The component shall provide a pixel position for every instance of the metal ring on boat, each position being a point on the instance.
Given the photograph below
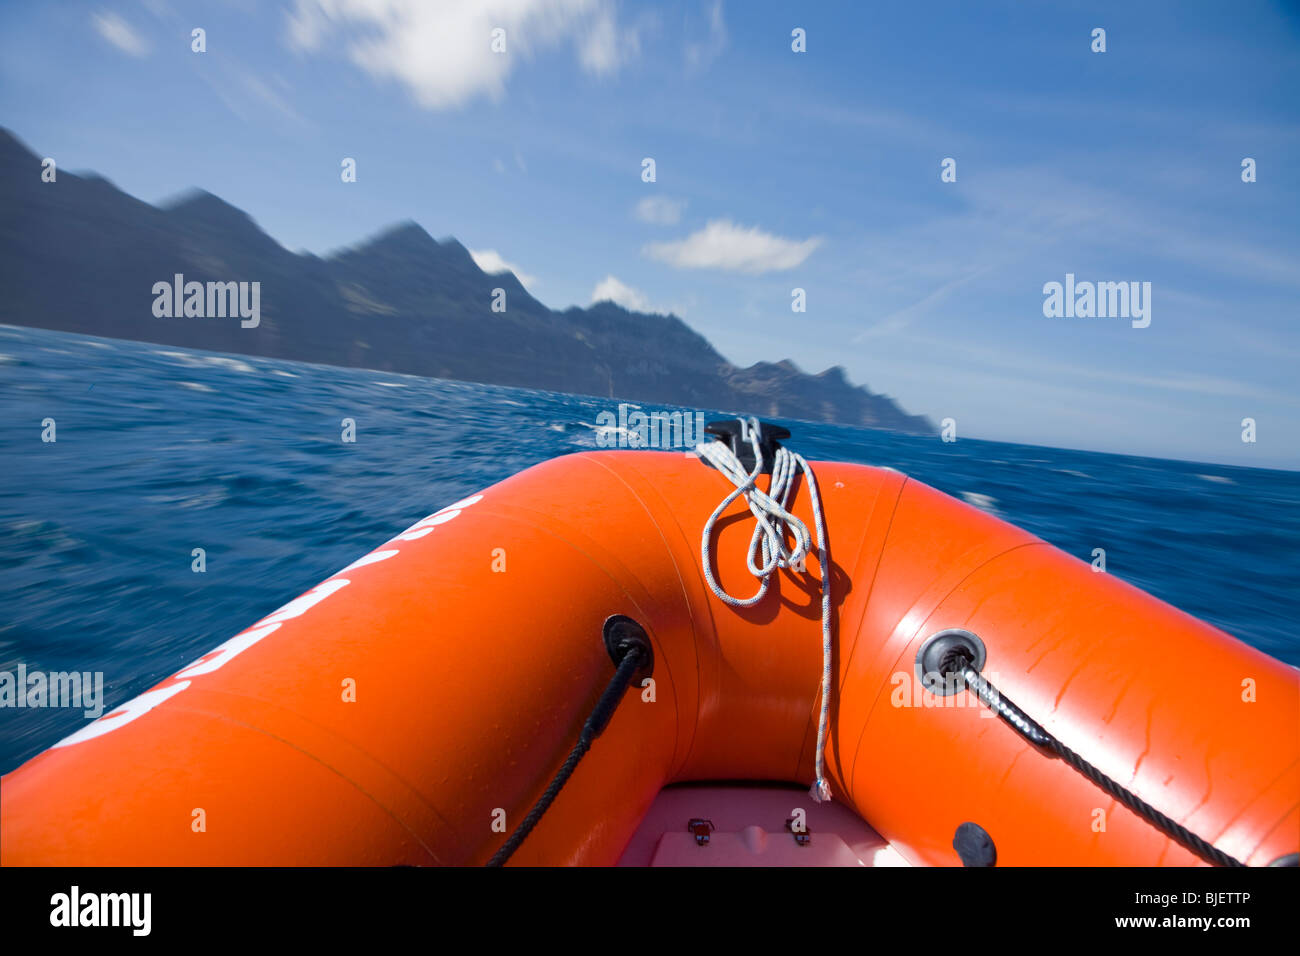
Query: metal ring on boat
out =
(930, 668)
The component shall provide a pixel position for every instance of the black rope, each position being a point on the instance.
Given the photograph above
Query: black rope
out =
(1024, 725)
(596, 723)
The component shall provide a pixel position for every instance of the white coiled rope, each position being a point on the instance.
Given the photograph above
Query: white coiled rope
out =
(767, 549)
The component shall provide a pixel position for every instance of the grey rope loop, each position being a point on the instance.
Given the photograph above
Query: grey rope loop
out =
(1025, 725)
(767, 548)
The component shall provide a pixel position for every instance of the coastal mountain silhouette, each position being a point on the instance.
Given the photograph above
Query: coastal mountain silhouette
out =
(80, 255)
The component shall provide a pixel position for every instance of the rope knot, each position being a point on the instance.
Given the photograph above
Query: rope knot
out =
(767, 548)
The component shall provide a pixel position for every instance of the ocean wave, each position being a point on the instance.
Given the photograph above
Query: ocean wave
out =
(200, 360)
(983, 502)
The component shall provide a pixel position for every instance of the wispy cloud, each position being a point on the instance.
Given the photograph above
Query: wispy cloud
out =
(606, 46)
(247, 95)
(442, 52)
(702, 50)
(722, 244)
(984, 360)
(871, 119)
(269, 96)
(900, 319)
(660, 210)
(1039, 204)
(120, 34)
(491, 262)
(610, 289)
(1019, 224)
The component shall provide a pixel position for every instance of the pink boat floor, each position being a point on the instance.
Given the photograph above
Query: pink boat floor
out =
(749, 823)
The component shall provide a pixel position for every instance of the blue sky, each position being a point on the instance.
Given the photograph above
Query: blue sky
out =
(774, 170)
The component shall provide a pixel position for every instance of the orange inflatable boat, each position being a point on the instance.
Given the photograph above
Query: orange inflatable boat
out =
(992, 699)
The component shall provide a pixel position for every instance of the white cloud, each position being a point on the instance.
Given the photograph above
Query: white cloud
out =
(700, 54)
(612, 290)
(120, 33)
(722, 244)
(442, 51)
(490, 261)
(605, 47)
(660, 210)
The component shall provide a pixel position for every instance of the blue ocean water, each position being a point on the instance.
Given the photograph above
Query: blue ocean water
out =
(161, 450)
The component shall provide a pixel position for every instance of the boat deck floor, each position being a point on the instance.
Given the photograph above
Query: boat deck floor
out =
(748, 828)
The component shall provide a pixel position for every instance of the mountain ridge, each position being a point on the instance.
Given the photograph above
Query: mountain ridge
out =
(81, 255)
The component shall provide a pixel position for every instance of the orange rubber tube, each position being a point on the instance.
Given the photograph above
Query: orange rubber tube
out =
(470, 648)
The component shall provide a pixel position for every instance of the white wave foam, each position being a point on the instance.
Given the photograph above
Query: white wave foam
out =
(213, 361)
(983, 502)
